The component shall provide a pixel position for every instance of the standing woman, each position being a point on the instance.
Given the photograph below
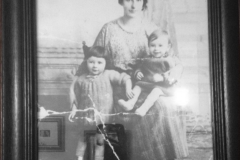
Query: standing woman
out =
(158, 135)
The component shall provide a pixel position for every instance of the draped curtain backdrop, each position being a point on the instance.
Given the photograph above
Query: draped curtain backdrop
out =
(160, 12)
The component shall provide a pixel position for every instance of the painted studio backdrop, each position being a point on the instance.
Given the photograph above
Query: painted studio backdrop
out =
(63, 26)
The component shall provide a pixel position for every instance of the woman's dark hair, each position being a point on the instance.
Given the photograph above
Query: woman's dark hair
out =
(98, 51)
(143, 7)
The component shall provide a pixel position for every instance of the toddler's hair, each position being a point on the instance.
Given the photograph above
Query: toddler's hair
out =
(156, 34)
(98, 51)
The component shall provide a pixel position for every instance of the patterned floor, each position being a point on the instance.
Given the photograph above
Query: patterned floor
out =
(200, 146)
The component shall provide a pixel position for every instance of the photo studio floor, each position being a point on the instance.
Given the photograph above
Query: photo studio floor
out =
(200, 146)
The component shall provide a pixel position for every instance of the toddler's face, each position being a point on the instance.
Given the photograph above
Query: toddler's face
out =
(96, 65)
(159, 46)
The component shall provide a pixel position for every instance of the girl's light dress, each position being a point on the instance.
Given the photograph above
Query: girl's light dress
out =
(95, 92)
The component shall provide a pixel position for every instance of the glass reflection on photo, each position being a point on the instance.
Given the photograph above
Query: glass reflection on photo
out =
(130, 78)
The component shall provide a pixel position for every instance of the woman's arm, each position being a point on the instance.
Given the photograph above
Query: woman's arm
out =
(128, 89)
(116, 77)
(176, 72)
(121, 79)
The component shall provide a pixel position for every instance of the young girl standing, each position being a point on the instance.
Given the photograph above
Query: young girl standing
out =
(94, 90)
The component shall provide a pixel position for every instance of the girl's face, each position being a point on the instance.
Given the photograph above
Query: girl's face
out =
(96, 65)
(159, 47)
(132, 8)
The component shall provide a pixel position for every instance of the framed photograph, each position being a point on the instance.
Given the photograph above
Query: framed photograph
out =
(52, 134)
(166, 71)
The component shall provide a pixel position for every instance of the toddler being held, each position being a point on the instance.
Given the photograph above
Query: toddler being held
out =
(157, 72)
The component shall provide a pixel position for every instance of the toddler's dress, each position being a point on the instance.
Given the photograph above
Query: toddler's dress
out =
(152, 68)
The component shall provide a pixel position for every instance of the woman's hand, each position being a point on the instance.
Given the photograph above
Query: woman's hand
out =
(139, 75)
(158, 78)
(128, 89)
(166, 75)
(171, 81)
(129, 93)
(168, 79)
(73, 113)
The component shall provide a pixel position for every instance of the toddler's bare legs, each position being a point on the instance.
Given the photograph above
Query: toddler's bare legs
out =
(80, 158)
(149, 101)
(129, 104)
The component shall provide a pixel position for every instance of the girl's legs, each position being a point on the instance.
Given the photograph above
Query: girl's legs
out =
(81, 147)
(129, 104)
(149, 101)
(99, 152)
(99, 148)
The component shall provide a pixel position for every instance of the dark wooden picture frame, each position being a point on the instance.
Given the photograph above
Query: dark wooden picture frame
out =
(19, 116)
(52, 134)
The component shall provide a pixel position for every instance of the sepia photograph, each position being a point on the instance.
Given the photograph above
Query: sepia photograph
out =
(130, 77)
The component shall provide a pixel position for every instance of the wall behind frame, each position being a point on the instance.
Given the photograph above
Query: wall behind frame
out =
(61, 32)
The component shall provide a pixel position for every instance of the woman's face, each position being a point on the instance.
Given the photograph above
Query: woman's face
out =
(96, 65)
(132, 8)
(159, 47)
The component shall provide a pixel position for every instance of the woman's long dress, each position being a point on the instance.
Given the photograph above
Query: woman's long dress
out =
(160, 135)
